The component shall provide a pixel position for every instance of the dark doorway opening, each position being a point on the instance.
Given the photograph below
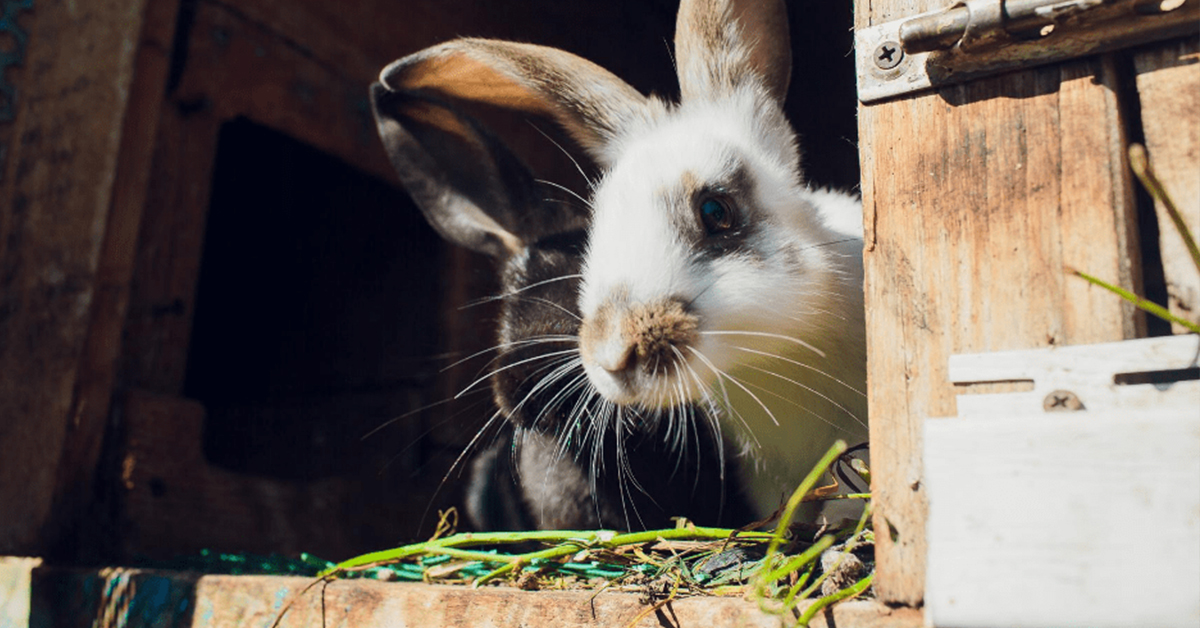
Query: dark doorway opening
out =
(317, 311)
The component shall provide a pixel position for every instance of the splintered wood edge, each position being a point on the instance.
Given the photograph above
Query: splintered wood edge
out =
(201, 601)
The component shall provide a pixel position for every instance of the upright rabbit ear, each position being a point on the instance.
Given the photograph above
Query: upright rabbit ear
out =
(722, 44)
(472, 125)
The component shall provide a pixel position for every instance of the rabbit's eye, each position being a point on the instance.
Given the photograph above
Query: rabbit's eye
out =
(717, 214)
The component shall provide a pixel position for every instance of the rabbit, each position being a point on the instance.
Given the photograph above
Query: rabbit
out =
(699, 290)
(544, 470)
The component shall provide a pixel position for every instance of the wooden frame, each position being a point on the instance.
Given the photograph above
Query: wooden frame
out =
(976, 200)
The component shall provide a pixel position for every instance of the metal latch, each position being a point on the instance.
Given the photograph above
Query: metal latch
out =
(974, 38)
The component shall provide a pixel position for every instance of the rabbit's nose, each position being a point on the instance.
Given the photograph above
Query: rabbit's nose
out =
(616, 356)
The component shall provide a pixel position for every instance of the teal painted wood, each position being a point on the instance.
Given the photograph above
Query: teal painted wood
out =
(68, 598)
(13, 57)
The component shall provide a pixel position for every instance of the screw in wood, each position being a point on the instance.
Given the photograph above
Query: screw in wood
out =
(1062, 401)
(888, 55)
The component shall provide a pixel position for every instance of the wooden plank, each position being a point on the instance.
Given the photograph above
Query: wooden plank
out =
(1081, 519)
(141, 599)
(97, 373)
(358, 39)
(1168, 82)
(1080, 377)
(163, 286)
(174, 502)
(55, 196)
(975, 199)
(242, 68)
(15, 580)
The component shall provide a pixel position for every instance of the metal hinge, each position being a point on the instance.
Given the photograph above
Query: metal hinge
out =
(975, 38)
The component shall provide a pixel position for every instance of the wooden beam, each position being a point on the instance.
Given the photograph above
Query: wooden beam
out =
(97, 373)
(57, 187)
(140, 598)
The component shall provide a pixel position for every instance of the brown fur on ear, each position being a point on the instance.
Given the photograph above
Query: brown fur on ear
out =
(719, 44)
(592, 104)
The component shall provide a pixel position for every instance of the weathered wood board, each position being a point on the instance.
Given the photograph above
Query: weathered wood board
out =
(172, 501)
(975, 199)
(59, 178)
(142, 599)
(1168, 83)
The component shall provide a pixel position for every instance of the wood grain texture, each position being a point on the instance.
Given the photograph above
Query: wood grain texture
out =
(163, 285)
(1076, 519)
(143, 598)
(175, 503)
(55, 197)
(1168, 81)
(975, 199)
(357, 39)
(93, 390)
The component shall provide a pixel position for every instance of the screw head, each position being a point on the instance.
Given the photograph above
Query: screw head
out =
(888, 55)
(1062, 401)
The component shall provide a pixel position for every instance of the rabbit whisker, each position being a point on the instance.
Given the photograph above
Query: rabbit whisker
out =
(375, 430)
(554, 305)
(558, 369)
(486, 376)
(499, 297)
(827, 243)
(456, 466)
(721, 376)
(565, 152)
(711, 415)
(566, 189)
(800, 406)
(511, 345)
(764, 334)
(805, 366)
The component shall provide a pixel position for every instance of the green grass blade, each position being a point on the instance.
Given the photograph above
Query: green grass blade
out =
(848, 592)
(1139, 302)
(1141, 167)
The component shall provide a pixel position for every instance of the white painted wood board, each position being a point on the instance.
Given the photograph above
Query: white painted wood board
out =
(1084, 370)
(1068, 519)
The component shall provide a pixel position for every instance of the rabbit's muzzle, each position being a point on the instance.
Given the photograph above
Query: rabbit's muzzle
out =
(632, 352)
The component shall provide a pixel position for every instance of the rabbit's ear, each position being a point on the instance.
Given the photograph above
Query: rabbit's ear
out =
(590, 103)
(722, 44)
(468, 185)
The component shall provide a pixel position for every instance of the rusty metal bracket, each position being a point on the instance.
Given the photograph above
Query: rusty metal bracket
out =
(14, 56)
(975, 38)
